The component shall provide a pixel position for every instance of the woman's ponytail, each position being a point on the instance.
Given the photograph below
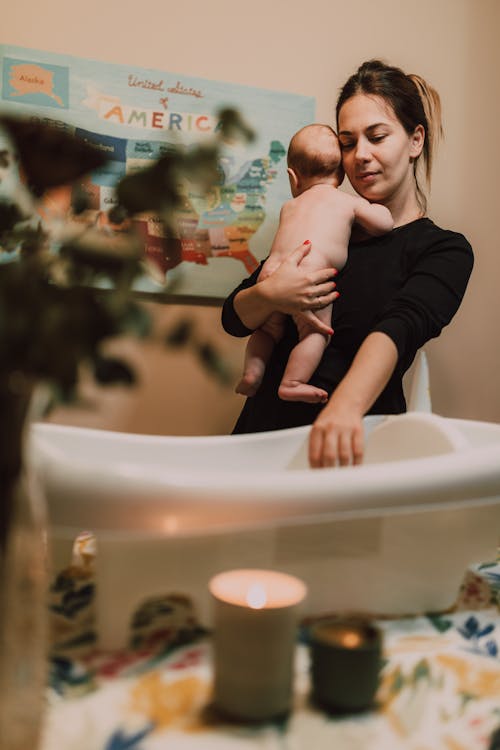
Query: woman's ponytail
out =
(431, 103)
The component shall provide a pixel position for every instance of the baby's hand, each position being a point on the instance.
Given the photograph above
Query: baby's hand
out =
(315, 322)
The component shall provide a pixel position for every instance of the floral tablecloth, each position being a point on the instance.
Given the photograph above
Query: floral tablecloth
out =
(439, 686)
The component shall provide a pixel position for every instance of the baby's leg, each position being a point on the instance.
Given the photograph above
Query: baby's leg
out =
(258, 350)
(303, 361)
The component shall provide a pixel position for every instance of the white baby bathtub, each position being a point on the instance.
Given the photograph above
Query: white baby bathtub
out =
(392, 536)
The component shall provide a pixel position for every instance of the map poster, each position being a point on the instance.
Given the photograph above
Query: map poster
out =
(134, 115)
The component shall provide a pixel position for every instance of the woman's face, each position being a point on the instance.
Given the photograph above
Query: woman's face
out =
(377, 152)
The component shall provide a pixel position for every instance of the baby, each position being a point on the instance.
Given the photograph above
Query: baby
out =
(324, 214)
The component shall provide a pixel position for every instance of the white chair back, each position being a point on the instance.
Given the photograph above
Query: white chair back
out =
(416, 385)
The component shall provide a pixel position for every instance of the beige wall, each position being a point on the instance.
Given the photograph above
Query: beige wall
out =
(310, 48)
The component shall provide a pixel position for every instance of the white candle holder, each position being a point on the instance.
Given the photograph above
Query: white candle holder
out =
(255, 623)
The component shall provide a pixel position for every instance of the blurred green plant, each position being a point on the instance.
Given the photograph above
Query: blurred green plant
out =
(53, 316)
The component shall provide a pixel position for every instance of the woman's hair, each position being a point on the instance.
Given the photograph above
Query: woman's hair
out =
(413, 100)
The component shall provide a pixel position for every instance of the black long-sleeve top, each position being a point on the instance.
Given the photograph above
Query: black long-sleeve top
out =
(408, 284)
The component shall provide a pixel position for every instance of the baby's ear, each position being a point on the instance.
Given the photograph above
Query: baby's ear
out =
(294, 180)
(340, 175)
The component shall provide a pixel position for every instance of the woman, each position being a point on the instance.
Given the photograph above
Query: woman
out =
(396, 291)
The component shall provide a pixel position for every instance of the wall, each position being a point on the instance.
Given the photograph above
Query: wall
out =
(311, 49)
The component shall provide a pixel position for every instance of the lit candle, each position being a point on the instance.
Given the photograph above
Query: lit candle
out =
(345, 663)
(255, 621)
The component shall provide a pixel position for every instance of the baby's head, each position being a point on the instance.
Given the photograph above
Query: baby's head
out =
(314, 156)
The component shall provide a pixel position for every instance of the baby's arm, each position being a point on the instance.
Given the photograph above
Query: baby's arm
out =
(373, 217)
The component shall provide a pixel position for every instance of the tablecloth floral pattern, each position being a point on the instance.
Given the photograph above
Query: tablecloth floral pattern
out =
(439, 686)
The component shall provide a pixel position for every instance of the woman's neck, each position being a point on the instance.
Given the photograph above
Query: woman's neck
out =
(404, 208)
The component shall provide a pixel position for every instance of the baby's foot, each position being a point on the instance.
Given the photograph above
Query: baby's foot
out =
(249, 384)
(292, 390)
(252, 377)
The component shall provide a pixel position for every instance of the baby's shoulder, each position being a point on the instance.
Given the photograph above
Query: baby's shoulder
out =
(350, 200)
(288, 206)
(343, 202)
(327, 194)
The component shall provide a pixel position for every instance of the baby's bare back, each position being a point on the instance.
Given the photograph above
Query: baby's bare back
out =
(322, 214)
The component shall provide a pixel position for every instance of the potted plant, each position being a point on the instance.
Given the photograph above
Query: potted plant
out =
(54, 317)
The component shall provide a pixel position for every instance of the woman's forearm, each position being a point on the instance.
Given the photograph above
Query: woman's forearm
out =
(369, 373)
(252, 306)
(337, 434)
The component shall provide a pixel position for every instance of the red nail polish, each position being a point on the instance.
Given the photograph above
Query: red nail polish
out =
(307, 242)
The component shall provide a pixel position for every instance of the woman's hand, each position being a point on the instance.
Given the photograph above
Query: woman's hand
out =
(292, 290)
(337, 436)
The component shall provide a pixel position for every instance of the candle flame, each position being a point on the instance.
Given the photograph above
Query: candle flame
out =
(256, 596)
(351, 640)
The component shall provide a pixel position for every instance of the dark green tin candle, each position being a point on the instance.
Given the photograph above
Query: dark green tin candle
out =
(345, 664)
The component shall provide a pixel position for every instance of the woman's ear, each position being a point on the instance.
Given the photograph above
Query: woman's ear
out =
(417, 141)
(294, 180)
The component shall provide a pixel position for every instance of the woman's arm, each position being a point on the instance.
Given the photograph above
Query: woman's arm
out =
(337, 434)
(288, 290)
(417, 312)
